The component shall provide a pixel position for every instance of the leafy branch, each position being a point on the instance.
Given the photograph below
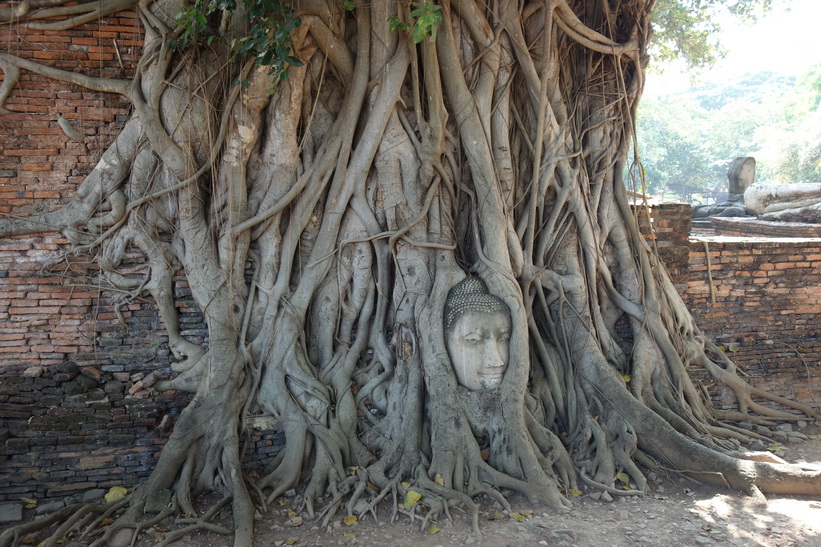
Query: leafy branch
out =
(424, 20)
(267, 41)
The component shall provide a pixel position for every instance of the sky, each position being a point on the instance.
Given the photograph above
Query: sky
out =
(787, 40)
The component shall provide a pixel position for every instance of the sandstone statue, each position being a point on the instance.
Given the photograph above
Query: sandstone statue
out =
(477, 332)
(785, 202)
(740, 176)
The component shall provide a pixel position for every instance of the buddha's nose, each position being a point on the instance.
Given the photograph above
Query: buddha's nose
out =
(493, 355)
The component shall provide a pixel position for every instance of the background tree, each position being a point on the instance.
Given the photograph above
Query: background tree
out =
(321, 227)
(688, 139)
(791, 147)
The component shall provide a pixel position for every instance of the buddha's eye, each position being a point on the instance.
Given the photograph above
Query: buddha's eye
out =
(472, 338)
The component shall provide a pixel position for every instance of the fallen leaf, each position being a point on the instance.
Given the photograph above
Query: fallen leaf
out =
(411, 498)
(526, 512)
(291, 541)
(575, 492)
(816, 437)
(106, 522)
(773, 448)
(406, 485)
(349, 520)
(623, 477)
(518, 517)
(438, 479)
(29, 501)
(494, 515)
(292, 513)
(626, 378)
(281, 503)
(373, 487)
(28, 540)
(433, 530)
(348, 535)
(115, 493)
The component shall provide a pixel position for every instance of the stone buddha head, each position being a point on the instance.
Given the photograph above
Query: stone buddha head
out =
(477, 334)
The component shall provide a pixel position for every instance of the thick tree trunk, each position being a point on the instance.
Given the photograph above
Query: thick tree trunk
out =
(322, 226)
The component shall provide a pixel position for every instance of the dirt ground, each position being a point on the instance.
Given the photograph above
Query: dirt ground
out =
(676, 512)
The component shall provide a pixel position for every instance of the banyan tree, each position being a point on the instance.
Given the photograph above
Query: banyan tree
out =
(408, 229)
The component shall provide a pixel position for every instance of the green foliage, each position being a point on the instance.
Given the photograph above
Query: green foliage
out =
(426, 18)
(687, 140)
(690, 29)
(267, 39)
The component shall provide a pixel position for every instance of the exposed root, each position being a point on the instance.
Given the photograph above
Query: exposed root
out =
(320, 224)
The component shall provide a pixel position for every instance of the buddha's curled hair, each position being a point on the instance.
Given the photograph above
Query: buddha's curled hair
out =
(470, 294)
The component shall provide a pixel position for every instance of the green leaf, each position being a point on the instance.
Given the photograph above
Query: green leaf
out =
(348, 5)
(623, 477)
(518, 517)
(418, 34)
(395, 23)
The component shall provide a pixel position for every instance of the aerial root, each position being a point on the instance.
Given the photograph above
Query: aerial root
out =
(74, 518)
(201, 523)
(13, 536)
(443, 498)
(390, 487)
(609, 489)
(89, 519)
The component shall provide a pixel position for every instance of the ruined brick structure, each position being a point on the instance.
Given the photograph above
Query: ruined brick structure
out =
(77, 411)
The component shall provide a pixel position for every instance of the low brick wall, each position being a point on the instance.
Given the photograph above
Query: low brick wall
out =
(71, 417)
(764, 307)
(667, 229)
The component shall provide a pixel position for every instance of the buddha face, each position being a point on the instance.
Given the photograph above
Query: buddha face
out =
(478, 347)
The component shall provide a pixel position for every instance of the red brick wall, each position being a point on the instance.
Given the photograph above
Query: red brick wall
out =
(670, 235)
(765, 304)
(39, 164)
(69, 419)
(767, 309)
(69, 423)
